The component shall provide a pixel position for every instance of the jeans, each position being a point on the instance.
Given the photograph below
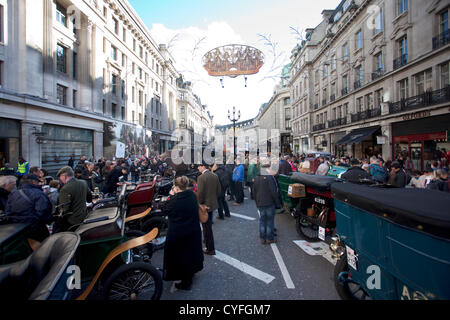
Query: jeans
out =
(223, 206)
(266, 222)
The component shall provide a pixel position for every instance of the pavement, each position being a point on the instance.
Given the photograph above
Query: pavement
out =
(244, 269)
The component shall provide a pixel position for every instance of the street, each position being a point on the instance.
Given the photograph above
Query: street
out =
(238, 248)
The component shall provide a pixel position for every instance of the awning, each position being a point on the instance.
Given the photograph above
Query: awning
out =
(358, 135)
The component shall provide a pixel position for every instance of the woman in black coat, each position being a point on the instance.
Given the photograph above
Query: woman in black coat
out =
(183, 254)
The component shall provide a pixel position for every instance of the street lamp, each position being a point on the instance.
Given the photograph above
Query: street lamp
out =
(234, 120)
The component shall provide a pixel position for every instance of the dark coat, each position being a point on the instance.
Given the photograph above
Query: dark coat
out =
(77, 193)
(183, 254)
(355, 174)
(441, 185)
(37, 210)
(224, 178)
(112, 179)
(209, 190)
(3, 198)
(265, 191)
(400, 179)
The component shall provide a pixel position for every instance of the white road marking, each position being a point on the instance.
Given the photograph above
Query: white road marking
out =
(283, 269)
(242, 216)
(258, 274)
(316, 249)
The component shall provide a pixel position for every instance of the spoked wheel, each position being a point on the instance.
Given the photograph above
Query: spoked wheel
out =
(162, 224)
(135, 281)
(307, 229)
(142, 253)
(345, 286)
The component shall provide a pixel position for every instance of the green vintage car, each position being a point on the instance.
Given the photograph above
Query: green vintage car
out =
(337, 171)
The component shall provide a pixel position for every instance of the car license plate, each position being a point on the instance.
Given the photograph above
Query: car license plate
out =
(322, 233)
(351, 258)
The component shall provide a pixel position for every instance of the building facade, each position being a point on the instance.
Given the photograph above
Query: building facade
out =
(377, 80)
(277, 114)
(79, 76)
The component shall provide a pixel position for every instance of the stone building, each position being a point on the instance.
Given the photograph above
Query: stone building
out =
(373, 77)
(78, 76)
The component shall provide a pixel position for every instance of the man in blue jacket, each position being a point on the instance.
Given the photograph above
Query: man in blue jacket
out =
(238, 180)
(29, 204)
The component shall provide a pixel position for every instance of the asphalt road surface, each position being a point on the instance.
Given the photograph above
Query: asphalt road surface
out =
(244, 269)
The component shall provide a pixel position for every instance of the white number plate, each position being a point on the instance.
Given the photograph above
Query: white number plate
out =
(351, 258)
(319, 200)
(322, 233)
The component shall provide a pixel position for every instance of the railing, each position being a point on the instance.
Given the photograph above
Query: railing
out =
(366, 114)
(318, 127)
(401, 61)
(337, 122)
(357, 84)
(441, 39)
(377, 73)
(426, 99)
(332, 97)
(344, 91)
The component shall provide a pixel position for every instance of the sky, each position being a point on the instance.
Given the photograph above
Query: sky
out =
(192, 28)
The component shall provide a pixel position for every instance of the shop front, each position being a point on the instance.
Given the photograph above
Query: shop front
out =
(305, 145)
(363, 142)
(59, 143)
(420, 139)
(9, 142)
(339, 150)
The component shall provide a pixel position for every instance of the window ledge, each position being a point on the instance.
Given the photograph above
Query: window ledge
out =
(396, 19)
(376, 35)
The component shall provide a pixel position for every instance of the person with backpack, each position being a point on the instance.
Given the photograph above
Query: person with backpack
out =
(376, 171)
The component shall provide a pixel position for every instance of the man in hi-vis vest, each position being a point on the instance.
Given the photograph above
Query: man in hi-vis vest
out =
(23, 168)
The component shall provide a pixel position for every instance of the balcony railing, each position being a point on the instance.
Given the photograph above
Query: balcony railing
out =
(344, 91)
(318, 127)
(401, 61)
(332, 97)
(357, 84)
(337, 122)
(366, 114)
(441, 39)
(428, 98)
(377, 73)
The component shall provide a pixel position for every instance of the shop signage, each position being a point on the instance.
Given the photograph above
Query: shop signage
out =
(416, 115)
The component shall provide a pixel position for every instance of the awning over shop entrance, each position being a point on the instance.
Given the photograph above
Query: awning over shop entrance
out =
(358, 135)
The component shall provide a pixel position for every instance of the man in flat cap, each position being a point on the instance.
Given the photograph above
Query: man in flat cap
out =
(73, 195)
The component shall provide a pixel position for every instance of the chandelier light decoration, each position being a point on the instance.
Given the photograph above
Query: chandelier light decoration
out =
(232, 61)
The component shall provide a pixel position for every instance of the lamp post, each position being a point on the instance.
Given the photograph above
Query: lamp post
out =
(234, 120)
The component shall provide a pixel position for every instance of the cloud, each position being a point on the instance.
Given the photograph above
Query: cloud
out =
(188, 45)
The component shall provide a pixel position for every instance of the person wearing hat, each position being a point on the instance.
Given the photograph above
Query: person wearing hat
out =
(73, 196)
(399, 175)
(356, 174)
(30, 205)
